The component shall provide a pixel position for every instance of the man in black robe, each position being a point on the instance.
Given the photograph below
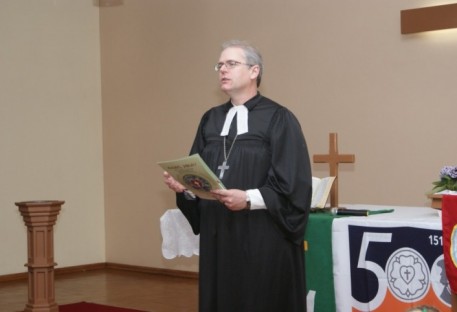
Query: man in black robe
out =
(251, 235)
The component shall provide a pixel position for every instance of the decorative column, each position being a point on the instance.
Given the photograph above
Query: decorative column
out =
(40, 217)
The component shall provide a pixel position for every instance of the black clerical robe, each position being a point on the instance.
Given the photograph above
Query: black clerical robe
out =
(253, 260)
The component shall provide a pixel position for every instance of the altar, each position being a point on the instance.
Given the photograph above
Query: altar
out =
(384, 262)
(380, 263)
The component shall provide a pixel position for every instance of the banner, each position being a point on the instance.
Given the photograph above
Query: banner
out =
(449, 219)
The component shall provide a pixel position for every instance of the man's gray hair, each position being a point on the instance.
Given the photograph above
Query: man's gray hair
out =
(253, 56)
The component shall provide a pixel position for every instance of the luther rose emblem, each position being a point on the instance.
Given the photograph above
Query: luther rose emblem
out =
(407, 275)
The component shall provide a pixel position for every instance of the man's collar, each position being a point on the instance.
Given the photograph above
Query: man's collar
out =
(250, 104)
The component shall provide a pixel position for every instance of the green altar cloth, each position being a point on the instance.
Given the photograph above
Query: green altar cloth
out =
(319, 262)
(319, 257)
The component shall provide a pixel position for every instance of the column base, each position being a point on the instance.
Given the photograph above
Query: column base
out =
(42, 308)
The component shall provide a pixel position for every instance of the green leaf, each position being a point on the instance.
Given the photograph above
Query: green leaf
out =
(439, 188)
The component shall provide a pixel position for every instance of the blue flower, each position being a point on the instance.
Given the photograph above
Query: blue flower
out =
(448, 180)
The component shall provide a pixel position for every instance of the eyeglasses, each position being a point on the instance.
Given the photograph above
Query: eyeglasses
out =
(229, 65)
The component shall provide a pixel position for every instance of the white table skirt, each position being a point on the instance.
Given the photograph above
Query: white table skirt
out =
(177, 236)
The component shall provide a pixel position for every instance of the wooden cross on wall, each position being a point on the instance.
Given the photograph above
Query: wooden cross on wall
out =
(333, 159)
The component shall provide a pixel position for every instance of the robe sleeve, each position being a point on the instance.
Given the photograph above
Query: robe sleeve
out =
(288, 189)
(190, 207)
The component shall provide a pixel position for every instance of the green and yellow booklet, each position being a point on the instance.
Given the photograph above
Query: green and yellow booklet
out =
(194, 174)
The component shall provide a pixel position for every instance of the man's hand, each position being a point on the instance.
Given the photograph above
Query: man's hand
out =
(172, 183)
(233, 199)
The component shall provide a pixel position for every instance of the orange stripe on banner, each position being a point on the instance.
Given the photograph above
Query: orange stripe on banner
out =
(391, 303)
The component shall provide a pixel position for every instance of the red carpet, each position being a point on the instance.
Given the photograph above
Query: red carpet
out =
(92, 307)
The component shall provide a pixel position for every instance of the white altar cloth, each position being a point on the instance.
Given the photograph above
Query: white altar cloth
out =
(177, 236)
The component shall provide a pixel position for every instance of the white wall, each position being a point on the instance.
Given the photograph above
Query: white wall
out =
(51, 126)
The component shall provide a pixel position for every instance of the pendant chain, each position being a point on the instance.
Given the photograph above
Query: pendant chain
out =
(226, 156)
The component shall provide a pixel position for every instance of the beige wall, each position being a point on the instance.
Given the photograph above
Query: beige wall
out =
(341, 66)
(50, 126)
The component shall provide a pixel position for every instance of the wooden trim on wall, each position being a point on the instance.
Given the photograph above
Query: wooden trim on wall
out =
(150, 270)
(103, 266)
(57, 271)
(13, 277)
(429, 18)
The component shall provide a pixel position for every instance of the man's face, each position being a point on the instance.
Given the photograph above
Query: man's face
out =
(239, 78)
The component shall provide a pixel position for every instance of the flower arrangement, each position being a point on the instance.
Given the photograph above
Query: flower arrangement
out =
(448, 180)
